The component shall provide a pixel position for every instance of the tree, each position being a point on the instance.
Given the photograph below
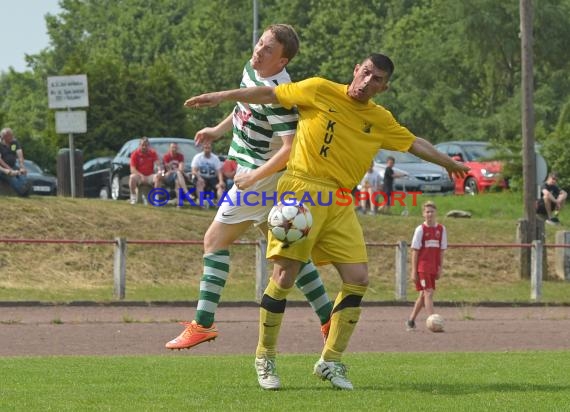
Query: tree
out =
(556, 151)
(457, 64)
(24, 109)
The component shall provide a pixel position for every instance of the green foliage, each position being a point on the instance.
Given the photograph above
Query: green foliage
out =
(215, 44)
(556, 149)
(27, 114)
(457, 65)
(146, 101)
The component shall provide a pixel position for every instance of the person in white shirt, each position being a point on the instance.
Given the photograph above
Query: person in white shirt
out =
(207, 173)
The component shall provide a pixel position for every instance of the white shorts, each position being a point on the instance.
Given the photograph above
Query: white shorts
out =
(253, 204)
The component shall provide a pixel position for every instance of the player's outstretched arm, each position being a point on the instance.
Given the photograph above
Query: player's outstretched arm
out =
(424, 149)
(209, 134)
(256, 95)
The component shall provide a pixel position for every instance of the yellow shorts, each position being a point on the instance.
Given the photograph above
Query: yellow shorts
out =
(336, 235)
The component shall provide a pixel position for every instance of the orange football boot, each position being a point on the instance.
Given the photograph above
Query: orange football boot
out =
(193, 335)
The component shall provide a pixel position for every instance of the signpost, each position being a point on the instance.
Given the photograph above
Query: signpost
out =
(67, 92)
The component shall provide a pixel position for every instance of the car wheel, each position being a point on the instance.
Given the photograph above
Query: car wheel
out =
(115, 188)
(104, 193)
(471, 186)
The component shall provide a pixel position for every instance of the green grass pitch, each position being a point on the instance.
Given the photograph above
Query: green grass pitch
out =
(509, 381)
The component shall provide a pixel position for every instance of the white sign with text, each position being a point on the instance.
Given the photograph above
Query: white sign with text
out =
(67, 91)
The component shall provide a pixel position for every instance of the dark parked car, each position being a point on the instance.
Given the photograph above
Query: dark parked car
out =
(42, 183)
(96, 177)
(421, 176)
(120, 165)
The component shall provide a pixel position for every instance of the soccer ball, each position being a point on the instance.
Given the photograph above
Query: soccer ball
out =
(435, 323)
(290, 223)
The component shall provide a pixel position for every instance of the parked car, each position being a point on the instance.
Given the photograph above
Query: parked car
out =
(120, 165)
(96, 177)
(42, 182)
(478, 156)
(421, 176)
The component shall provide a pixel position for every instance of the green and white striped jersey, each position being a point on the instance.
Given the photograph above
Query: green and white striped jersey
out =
(257, 128)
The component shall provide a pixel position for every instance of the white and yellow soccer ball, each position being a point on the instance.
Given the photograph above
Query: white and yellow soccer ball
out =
(435, 323)
(290, 222)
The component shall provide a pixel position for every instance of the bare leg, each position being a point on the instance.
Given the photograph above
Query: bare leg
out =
(561, 200)
(134, 181)
(549, 206)
(181, 182)
(428, 301)
(418, 306)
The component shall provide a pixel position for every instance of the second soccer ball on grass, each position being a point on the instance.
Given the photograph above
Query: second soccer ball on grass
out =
(435, 323)
(290, 222)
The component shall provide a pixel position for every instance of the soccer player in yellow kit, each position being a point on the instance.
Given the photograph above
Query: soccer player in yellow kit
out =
(339, 131)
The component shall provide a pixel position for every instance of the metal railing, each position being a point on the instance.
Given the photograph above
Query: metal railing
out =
(262, 276)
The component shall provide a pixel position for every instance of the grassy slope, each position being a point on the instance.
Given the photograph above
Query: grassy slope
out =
(156, 272)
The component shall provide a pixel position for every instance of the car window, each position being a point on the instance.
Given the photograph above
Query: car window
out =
(478, 152)
(442, 148)
(123, 151)
(96, 164)
(90, 165)
(104, 164)
(400, 157)
(161, 148)
(186, 148)
(32, 167)
(455, 150)
(189, 151)
(128, 148)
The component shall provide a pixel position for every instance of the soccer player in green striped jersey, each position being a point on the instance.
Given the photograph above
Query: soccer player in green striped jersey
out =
(262, 140)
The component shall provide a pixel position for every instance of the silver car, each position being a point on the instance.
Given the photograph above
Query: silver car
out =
(421, 176)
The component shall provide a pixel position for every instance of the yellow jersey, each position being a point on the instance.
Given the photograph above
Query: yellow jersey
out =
(337, 137)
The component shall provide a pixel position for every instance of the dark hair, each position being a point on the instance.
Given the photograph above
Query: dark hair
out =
(382, 62)
(287, 36)
(391, 158)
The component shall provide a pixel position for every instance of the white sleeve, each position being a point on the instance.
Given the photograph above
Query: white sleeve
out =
(195, 161)
(417, 239)
(443, 244)
(217, 163)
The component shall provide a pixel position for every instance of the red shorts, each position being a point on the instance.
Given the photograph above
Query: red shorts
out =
(425, 281)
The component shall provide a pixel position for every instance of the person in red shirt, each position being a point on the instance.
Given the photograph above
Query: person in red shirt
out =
(143, 162)
(229, 168)
(428, 245)
(173, 173)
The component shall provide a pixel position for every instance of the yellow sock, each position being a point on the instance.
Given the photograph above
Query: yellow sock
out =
(345, 315)
(271, 313)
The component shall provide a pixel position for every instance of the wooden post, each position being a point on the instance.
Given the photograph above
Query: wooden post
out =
(120, 265)
(524, 252)
(541, 235)
(401, 270)
(261, 276)
(562, 255)
(524, 255)
(536, 271)
(527, 116)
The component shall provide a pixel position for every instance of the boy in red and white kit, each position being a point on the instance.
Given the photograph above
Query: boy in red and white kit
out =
(428, 245)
